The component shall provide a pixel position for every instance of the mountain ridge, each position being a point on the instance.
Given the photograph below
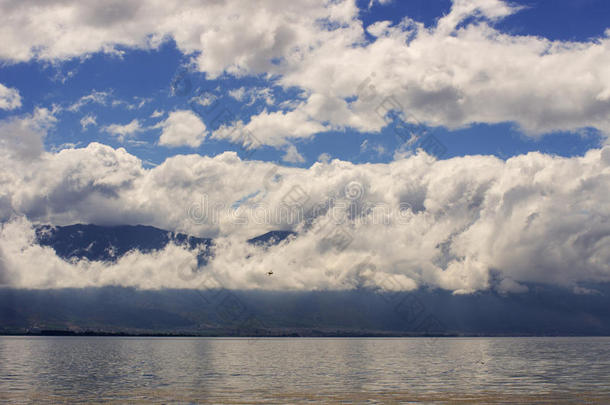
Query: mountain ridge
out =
(108, 243)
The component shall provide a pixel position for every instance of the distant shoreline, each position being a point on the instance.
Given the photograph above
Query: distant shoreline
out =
(316, 334)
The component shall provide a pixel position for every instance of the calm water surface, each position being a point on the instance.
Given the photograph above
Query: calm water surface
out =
(297, 370)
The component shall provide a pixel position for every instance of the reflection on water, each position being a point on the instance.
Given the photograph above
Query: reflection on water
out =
(34, 369)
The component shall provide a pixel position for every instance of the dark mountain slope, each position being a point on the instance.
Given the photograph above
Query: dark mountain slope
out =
(108, 243)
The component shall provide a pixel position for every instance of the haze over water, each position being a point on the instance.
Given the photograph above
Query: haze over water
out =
(289, 370)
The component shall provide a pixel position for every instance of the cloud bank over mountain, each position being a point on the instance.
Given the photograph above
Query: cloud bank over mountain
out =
(455, 224)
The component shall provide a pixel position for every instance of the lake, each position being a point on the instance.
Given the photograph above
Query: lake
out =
(298, 370)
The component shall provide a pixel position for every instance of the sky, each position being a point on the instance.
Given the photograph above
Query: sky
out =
(443, 141)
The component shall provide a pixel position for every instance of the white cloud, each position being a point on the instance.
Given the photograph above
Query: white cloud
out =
(87, 120)
(122, 132)
(182, 128)
(237, 35)
(292, 155)
(252, 95)
(65, 145)
(137, 103)
(382, 2)
(263, 93)
(205, 99)
(447, 224)
(157, 114)
(458, 72)
(324, 157)
(21, 138)
(451, 75)
(272, 128)
(107, 98)
(9, 98)
(95, 97)
(238, 94)
(379, 149)
(457, 76)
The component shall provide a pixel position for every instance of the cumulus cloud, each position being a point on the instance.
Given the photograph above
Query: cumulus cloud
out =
(450, 75)
(124, 131)
(272, 128)
(21, 138)
(292, 155)
(237, 35)
(10, 98)
(324, 157)
(238, 94)
(182, 128)
(461, 224)
(458, 72)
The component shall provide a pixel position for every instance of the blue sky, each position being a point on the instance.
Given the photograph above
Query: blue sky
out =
(145, 76)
